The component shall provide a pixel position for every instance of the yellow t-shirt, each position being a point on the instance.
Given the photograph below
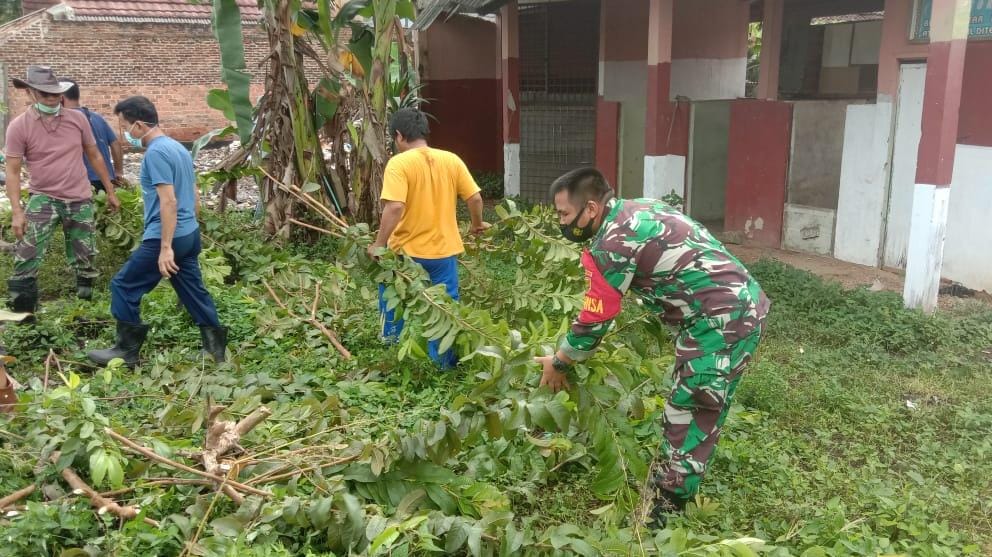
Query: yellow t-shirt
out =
(427, 181)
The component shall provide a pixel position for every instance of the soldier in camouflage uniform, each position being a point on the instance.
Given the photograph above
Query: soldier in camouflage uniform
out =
(51, 143)
(679, 270)
(44, 213)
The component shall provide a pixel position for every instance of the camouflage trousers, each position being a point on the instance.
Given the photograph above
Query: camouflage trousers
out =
(694, 414)
(43, 214)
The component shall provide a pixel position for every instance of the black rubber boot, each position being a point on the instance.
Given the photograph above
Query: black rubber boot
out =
(130, 337)
(23, 295)
(84, 288)
(665, 505)
(214, 341)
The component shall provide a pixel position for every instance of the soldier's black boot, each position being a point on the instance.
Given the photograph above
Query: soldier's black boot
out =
(84, 288)
(665, 505)
(130, 337)
(214, 341)
(23, 295)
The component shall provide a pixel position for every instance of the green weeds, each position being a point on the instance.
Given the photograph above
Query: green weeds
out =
(861, 429)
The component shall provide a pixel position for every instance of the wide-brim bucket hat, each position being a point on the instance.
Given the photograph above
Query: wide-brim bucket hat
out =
(43, 79)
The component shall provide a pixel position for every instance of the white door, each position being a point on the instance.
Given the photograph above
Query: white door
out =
(909, 118)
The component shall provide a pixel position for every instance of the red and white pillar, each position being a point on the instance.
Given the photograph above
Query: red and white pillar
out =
(607, 111)
(949, 24)
(665, 148)
(771, 49)
(509, 24)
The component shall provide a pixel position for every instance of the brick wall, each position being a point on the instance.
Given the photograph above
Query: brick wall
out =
(172, 64)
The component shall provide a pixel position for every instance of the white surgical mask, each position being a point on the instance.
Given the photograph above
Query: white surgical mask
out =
(134, 141)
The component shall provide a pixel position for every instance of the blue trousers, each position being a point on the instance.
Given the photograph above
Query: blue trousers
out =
(441, 271)
(140, 275)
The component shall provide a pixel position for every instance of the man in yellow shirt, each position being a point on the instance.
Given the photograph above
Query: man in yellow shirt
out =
(419, 194)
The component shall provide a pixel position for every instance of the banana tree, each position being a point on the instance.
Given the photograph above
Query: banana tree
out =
(375, 62)
(348, 105)
(279, 135)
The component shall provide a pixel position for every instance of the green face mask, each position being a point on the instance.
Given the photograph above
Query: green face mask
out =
(45, 109)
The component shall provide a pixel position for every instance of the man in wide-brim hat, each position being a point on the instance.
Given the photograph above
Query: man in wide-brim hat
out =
(51, 142)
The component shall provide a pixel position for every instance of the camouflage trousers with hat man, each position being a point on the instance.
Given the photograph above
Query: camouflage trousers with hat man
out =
(43, 214)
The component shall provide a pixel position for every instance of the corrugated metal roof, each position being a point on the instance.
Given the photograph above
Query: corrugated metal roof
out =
(432, 9)
(849, 18)
(112, 19)
(152, 10)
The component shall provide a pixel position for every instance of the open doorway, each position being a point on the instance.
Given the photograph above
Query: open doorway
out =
(707, 179)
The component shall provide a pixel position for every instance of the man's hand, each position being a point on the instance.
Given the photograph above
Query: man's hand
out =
(113, 204)
(120, 182)
(373, 251)
(479, 230)
(167, 262)
(550, 377)
(19, 223)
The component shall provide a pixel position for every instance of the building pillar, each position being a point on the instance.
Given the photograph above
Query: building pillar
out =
(607, 113)
(771, 49)
(949, 23)
(509, 25)
(665, 149)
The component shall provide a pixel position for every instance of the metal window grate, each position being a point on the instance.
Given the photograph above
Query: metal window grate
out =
(559, 62)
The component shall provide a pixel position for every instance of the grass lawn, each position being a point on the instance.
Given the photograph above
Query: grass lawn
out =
(862, 428)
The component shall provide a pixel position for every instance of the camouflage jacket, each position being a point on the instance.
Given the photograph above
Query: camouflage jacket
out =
(677, 268)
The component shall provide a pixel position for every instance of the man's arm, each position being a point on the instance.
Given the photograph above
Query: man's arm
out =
(117, 154)
(169, 210)
(600, 307)
(196, 202)
(475, 212)
(19, 221)
(392, 212)
(100, 167)
(470, 192)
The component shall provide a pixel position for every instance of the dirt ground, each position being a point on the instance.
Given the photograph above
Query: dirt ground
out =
(850, 275)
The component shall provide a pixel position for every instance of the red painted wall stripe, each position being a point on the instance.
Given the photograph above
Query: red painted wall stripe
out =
(608, 139)
(466, 120)
(975, 124)
(757, 169)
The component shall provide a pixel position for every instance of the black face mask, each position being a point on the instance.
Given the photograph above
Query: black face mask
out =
(574, 232)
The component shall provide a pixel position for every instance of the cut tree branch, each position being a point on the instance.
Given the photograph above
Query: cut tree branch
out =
(270, 478)
(102, 503)
(307, 200)
(157, 483)
(315, 228)
(222, 437)
(162, 460)
(16, 496)
(313, 321)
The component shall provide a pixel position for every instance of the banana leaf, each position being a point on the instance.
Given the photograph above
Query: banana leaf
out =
(227, 29)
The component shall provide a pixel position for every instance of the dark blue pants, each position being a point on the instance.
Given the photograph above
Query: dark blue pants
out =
(441, 271)
(140, 275)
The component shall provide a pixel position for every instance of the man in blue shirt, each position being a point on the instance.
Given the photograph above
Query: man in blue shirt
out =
(171, 242)
(106, 140)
